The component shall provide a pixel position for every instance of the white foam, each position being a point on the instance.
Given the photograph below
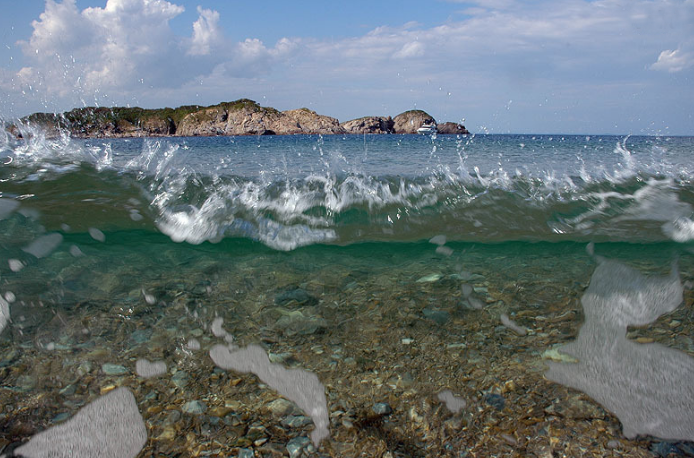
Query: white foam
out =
(97, 235)
(44, 245)
(681, 230)
(109, 427)
(453, 403)
(647, 386)
(507, 322)
(301, 387)
(7, 206)
(4, 314)
(146, 369)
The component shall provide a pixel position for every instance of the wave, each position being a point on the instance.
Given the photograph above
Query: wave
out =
(158, 186)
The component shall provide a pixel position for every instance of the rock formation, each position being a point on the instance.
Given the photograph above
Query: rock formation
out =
(369, 125)
(241, 117)
(409, 121)
(452, 128)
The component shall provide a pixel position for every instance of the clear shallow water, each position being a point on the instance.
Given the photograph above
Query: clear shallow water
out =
(318, 250)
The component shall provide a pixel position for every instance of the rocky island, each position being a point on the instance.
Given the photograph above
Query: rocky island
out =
(241, 117)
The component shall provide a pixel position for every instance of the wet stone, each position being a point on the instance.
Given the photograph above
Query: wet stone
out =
(113, 369)
(256, 432)
(281, 407)
(381, 408)
(495, 400)
(297, 421)
(141, 336)
(180, 379)
(172, 417)
(297, 295)
(68, 390)
(297, 445)
(194, 407)
(246, 453)
(440, 317)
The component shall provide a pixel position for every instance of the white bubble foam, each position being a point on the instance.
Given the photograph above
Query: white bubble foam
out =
(109, 427)
(96, 234)
(647, 386)
(301, 387)
(75, 251)
(146, 369)
(4, 314)
(44, 245)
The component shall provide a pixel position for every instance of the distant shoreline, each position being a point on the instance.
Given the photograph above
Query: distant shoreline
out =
(237, 118)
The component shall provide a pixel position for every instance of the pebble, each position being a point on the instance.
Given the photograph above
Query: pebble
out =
(495, 400)
(180, 379)
(141, 336)
(68, 390)
(381, 408)
(429, 278)
(246, 453)
(281, 407)
(440, 317)
(298, 295)
(172, 417)
(193, 344)
(194, 407)
(113, 369)
(84, 368)
(297, 445)
(297, 421)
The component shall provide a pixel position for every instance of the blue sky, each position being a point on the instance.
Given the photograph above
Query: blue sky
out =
(505, 66)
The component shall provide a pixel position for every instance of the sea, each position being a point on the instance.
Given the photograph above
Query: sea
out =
(410, 295)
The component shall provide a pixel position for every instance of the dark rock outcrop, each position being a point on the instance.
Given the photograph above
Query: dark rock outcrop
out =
(452, 128)
(409, 121)
(369, 125)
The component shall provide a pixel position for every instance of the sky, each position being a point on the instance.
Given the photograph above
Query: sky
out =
(499, 66)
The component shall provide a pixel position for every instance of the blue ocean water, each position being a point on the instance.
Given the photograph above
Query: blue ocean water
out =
(292, 191)
(338, 254)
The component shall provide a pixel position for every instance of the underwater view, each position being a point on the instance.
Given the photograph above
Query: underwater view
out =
(347, 295)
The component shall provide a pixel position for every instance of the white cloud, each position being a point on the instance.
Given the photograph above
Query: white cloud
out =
(673, 61)
(127, 48)
(411, 49)
(206, 32)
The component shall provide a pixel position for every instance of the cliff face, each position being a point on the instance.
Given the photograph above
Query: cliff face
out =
(246, 117)
(452, 128)
(409, 121)
(242, 117)
(369, 125)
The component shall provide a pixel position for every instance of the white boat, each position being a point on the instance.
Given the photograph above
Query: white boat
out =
(427, 129)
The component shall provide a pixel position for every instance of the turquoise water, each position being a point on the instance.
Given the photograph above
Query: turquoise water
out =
(429, 258)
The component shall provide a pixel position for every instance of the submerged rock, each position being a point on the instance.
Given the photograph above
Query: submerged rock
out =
(452, 128)
(369, 125)
(409, 121)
